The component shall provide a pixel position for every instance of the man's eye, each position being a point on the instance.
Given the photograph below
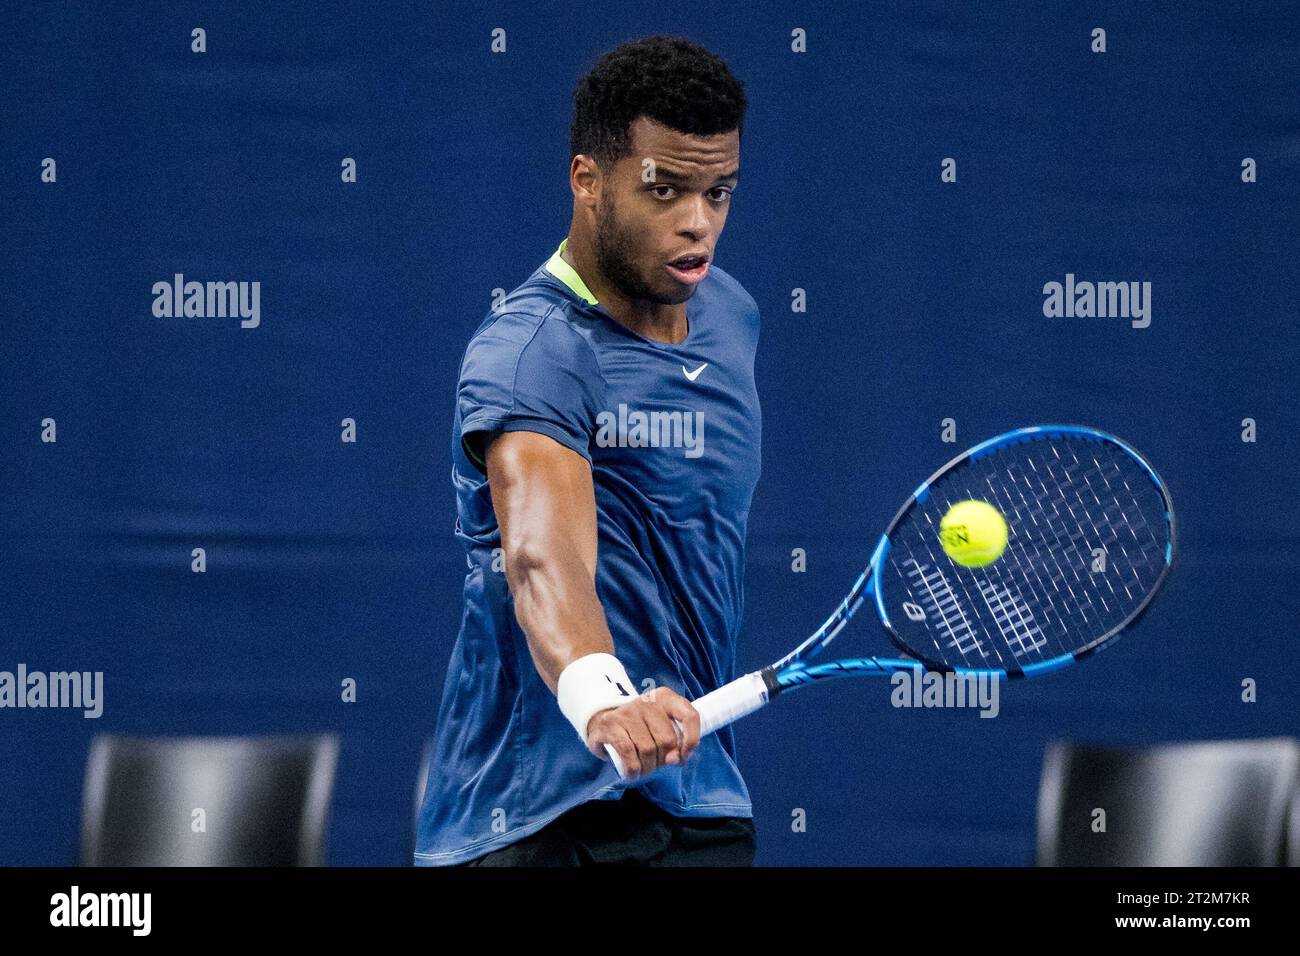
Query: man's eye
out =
(724, 191)
(655, 190)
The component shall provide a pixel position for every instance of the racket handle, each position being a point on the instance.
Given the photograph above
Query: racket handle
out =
(730, 702)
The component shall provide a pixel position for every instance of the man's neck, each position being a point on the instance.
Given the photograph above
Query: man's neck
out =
(653, 320)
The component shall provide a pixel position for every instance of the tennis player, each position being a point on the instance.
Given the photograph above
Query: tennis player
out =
(605, 452)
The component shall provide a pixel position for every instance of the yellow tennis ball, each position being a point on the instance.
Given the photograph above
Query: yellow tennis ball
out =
(973, 533)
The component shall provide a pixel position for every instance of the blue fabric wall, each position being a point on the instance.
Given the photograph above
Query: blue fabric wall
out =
(329, 560)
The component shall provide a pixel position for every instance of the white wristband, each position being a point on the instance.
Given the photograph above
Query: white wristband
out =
(592, 683)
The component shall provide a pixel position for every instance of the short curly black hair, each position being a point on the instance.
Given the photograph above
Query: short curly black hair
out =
(668, 79)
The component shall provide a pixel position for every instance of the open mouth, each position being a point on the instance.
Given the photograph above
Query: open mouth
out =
(689, 269)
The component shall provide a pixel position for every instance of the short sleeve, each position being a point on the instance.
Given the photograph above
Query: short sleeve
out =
(528, 373)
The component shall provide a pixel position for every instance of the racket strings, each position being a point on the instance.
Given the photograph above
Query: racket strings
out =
(1088, 534)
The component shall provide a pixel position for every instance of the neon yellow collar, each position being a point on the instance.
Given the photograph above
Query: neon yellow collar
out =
(557, 267)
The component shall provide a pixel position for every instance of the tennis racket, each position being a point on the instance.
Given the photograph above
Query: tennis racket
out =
(1090, 541)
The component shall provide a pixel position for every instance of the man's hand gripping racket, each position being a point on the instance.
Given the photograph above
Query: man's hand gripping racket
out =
(1090, 539)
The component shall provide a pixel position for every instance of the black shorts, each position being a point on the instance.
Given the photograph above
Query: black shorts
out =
(630, 831)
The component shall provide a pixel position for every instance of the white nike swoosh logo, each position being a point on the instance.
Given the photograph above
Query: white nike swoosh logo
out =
(696, 374)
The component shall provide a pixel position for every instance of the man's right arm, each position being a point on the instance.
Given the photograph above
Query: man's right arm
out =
(545, 505)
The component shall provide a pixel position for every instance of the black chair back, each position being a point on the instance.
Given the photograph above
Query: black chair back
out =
(1223, 803)
(207, 801)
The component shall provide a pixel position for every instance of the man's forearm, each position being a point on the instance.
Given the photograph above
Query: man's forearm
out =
(545, 502)
(557, 607)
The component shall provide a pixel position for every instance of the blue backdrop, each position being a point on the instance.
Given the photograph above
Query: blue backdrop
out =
(329, 560)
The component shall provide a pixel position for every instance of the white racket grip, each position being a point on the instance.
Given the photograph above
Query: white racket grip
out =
(742, 696)
(730, 702)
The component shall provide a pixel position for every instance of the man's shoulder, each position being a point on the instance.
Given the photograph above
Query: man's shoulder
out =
(535, 328)
(536, 308)
(734, 295)
(539, 295)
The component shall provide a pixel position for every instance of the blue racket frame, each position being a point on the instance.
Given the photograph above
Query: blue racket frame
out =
(798, 669)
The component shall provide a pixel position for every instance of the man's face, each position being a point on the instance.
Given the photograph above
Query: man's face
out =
(668, 199)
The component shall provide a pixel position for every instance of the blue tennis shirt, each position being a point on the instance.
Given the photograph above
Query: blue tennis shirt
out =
(672, 433)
